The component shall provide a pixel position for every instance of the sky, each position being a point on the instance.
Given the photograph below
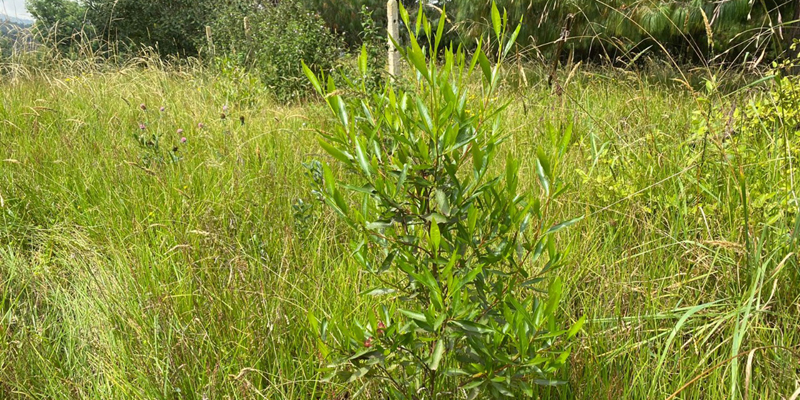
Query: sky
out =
(14, 8)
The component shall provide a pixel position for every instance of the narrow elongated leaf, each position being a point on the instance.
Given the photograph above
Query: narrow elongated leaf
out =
(685, 317)
(576, 328)
(496, 22)
(553, 296)
(513, 39)
(467, 279)
(336, 153)
(327, 175)
(472, 327)
(436, 357)
(402, 180)
(312, 78)
(378, 292)
(338, 106)
(379, 225)
(543, 180)
(475, 58)
(426, 116)
(362, 60)
(417, 58)
(413, 315)
(565, 224)
(435, 237)
(440, 30)
(486, 67)
(362, 158)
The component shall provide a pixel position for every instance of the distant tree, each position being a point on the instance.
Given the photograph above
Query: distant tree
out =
(171, 26)
(62, 20)
(342, 17)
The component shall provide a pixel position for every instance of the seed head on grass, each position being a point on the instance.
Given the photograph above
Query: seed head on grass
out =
(143, 107)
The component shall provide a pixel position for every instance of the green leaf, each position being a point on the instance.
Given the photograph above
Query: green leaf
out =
(435, 237)
(467, 279)
(472, 327)
(486, 67)
(342, 156)
(426, 116)
(327, 175)
(553, 296)
(513, 39)
(435, 218)
(685, 317)
(440, 29)
(339, 108)
(312, 78)
(576, 327)
(436, 357)
(441, 202)
(403, 14)
(496, 22)
(420, 14)
(565, 224)
(475, 58)
(413, 315)
(378, 292)
(362, 60)
(373, 226)
(542, 177)
(362, 157)
(502, 387)
(562, 148)
(417, 58)
(402, 180)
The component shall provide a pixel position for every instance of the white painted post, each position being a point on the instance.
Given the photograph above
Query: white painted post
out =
(394, 32)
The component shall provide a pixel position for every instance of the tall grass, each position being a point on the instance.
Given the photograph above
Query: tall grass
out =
(194, 279)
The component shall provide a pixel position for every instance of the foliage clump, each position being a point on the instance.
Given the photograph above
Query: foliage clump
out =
(273, 39)
(458, 251)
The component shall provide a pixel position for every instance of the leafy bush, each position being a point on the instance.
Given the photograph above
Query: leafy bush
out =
(174, 27)
(743, 137)
(277, 38)
(455, 246)
(62, 22)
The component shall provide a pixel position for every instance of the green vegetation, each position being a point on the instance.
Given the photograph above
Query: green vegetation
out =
(273, 219)
(451, 243)
(195, 277)
(274, 43)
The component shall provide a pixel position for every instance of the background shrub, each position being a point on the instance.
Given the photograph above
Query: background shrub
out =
(279, 37)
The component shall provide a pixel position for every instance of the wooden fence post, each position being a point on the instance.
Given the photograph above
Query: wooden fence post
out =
(394, 33)
(210, 41)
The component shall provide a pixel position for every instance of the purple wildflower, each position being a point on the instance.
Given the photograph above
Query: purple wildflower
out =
(183, 140)
(142, 126)
(200, 125)
(180, 131)
(162, 109)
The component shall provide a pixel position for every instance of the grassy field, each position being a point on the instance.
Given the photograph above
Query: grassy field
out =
(129, 273)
